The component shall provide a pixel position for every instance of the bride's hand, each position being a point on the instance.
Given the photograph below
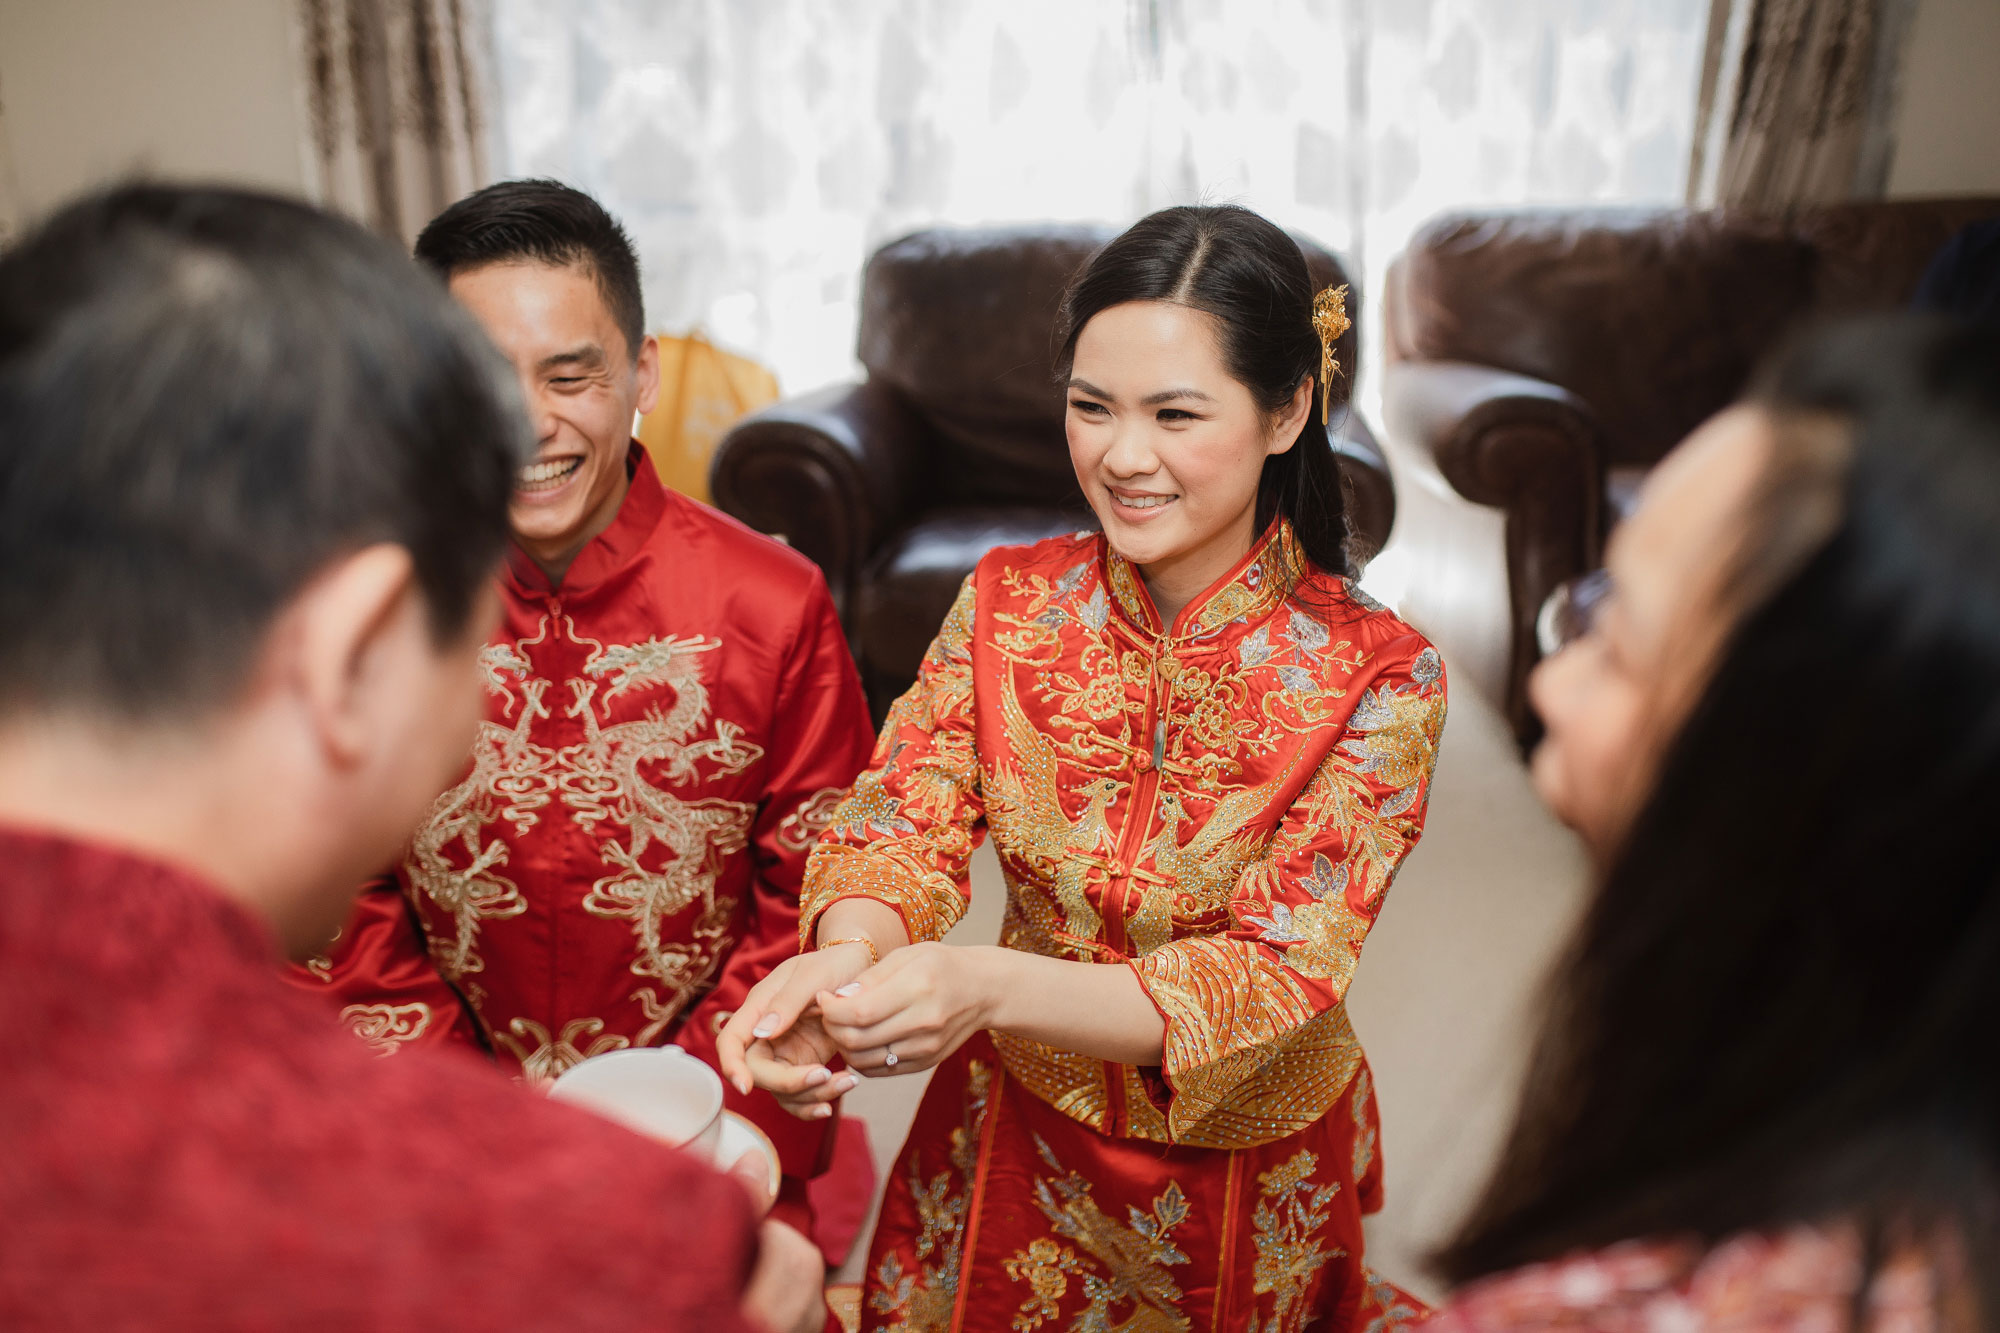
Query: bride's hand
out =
(918, 1005)
(777, 1039)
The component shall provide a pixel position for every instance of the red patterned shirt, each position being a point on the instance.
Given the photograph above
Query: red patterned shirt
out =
(667, 733)
(1799, 1281)
(189, 1144)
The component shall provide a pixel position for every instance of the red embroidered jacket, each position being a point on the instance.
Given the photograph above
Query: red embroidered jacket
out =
(667, 734)
(1221, 803)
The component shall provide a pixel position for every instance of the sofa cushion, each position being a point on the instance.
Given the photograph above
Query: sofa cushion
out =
(909, 588)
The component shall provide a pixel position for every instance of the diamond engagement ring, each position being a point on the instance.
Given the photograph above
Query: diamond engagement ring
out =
(888, 1058)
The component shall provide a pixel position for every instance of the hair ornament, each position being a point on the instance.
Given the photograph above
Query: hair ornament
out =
(1329, 321)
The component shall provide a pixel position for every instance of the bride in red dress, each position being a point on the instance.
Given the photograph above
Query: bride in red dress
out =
(1201, 753)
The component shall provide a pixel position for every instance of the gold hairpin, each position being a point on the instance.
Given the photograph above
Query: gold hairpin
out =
(1329, 321)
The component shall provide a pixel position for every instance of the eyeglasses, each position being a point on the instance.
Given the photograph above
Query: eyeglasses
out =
(1571, 611)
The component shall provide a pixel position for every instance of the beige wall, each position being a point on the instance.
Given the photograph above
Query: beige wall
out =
(1948, 124)
(91, 90)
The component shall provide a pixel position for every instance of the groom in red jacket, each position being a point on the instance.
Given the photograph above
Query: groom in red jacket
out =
(671, 715)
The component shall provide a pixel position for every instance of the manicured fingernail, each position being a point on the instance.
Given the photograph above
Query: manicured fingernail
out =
(743, 1086)
(822, 1112)
(817, 1077)
(851, 988)
(765, 1027)
(847, 1083)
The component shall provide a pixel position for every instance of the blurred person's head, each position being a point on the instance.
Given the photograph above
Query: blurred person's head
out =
(1730, 512)
(552, 278)
(254, 468)
(1190, 361)
(1779, 1005)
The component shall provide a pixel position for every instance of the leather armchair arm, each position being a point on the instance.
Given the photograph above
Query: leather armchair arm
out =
(1527, 447)
(1369, 493)
(830, 472)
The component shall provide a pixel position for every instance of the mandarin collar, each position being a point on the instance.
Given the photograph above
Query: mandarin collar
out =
(1255, 586)
(610, 550)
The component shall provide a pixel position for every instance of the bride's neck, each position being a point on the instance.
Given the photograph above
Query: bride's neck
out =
(1178, 579)
(1172, 584)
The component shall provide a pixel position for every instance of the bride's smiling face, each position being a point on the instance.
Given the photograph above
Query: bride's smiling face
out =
(1168, 446)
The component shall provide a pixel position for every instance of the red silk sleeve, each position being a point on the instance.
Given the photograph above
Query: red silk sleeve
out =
(906, 835)
(378, 977)
(1248, 1008)
(820, 738)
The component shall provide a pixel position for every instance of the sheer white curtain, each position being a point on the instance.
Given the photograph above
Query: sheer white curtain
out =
(758, 150)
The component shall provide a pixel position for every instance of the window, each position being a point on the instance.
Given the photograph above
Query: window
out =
(759, 150)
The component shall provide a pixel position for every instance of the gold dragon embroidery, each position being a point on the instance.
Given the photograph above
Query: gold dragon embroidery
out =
(672, 851)
(604, 780)
(511, 778)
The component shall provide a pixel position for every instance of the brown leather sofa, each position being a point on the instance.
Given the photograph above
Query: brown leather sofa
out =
(953, 443)
(1538, 364)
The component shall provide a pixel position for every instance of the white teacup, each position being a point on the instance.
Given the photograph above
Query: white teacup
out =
(659, 1091)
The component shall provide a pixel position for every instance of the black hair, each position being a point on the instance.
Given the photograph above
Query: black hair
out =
(1244, 272)
(205, 395)
(1780, 1005)
(542, 222)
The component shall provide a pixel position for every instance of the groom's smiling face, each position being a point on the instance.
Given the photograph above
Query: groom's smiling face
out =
(582, 384)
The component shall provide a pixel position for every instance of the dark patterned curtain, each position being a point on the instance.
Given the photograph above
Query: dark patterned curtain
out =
(396, 97)
(10, 188)
(1796, 102)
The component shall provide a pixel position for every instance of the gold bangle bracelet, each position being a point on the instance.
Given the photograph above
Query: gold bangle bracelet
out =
(862, 940)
